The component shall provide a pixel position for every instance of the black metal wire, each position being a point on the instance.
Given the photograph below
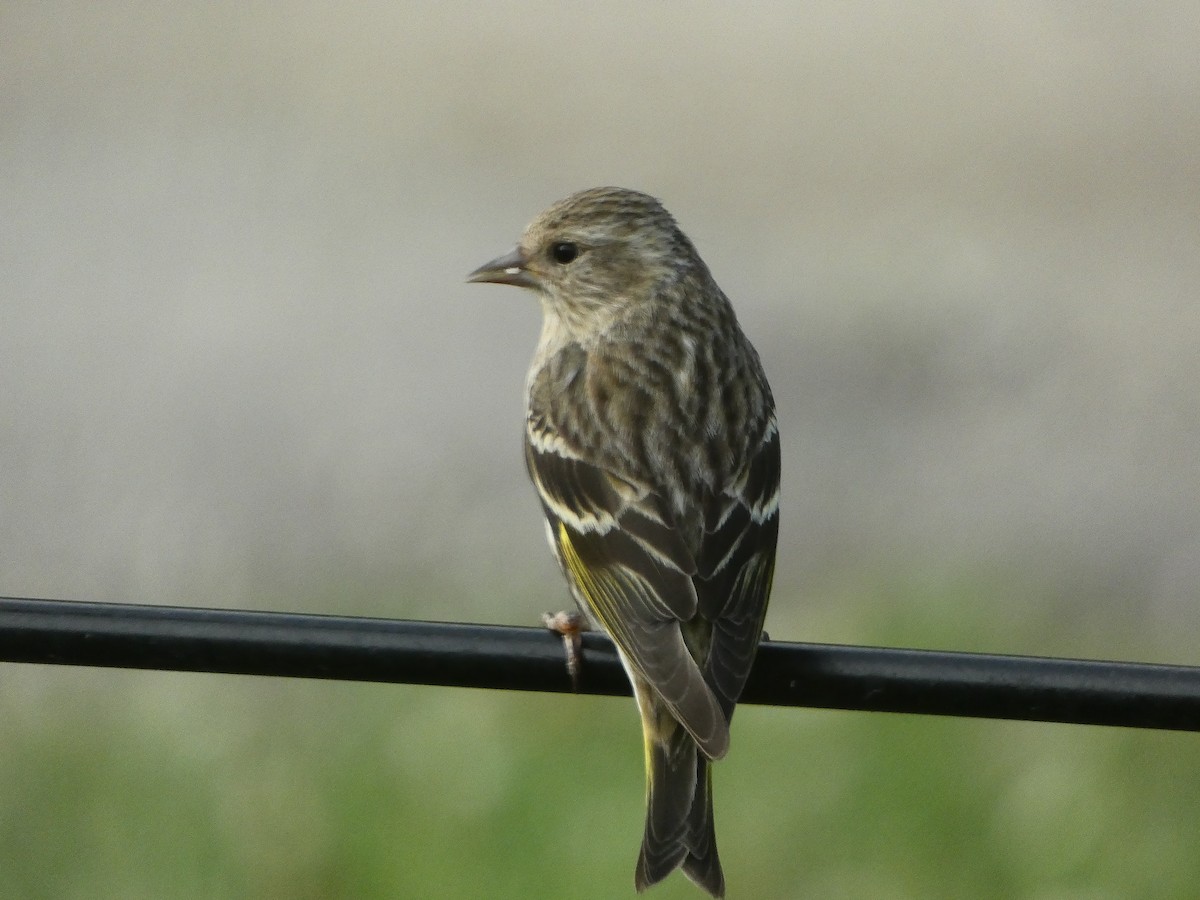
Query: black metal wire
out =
(531, 659)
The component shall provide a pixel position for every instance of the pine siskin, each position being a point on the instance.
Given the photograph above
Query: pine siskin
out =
(651, 438)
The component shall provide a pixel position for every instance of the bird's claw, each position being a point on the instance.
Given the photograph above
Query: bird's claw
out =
(569, 626)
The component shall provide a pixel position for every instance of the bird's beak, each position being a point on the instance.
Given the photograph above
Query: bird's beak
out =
(507, 269)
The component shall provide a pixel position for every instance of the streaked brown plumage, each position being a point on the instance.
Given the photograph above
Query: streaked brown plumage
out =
(651, 438)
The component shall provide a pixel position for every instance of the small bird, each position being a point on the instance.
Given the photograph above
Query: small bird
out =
(651, 438)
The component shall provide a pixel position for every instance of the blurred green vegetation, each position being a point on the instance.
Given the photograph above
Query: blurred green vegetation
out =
(129, 785)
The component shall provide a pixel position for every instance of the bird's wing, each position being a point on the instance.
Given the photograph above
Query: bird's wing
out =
(735, 567)
(632, 570)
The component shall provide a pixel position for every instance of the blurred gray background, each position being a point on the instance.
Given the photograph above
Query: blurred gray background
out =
(240, 365)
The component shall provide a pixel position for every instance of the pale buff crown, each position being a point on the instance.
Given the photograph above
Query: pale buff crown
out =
(630, 255)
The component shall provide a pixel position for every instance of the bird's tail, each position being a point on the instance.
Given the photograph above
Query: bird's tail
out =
(679, 818)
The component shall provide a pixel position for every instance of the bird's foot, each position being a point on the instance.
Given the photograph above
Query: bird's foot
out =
(569, 625)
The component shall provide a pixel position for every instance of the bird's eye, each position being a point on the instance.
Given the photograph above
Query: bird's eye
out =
(563, 252)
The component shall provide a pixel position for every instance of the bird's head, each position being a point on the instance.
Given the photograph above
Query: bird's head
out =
(595, 256)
